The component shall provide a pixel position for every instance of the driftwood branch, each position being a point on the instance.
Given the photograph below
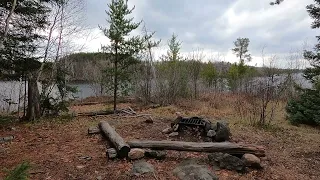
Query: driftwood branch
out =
(225, 147)
(120, 145)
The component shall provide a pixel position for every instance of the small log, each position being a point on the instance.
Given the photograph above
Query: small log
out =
(88, 103)
(119, 144)
(97, 113)
(225, 147)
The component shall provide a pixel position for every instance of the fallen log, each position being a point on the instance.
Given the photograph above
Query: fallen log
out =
(96, 113)
(119, 144)
(225, 147)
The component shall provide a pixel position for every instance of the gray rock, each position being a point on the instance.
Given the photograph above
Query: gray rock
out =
(173, 134)
(112, 153)
(167, 131)
(190, 170)
(142, 167)
(213, 126)
(207, 126)
(99, 178)
(211, 133)
(12, 128)
(93, 130)
(80, 167)
(251, 160)
(6, 139)
(227, 161)
(149, 120)
(88, 158)
(136, 153)
(222, 132)
(175, 127)
(159, 155)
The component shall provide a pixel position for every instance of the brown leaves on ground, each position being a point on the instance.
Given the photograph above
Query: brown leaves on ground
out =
(65, 151)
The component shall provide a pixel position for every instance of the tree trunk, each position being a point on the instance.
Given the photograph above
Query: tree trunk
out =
(33, 109)
(120, 145)
(225, 147)
(115, 90)
(7, 21)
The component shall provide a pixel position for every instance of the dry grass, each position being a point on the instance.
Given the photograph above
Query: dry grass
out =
(54, 148)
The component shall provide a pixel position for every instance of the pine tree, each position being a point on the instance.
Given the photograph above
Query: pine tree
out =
(174, 71)
(241, 49)
(209, 74)
(20, 42)
(306, 108)
(123, 47)
(238, 71)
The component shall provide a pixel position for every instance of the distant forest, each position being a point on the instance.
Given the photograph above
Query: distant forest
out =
(87, 67)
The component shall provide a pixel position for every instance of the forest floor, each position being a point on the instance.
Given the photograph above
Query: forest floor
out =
(55, 148)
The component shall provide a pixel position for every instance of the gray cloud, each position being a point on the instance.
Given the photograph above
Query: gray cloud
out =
(214, 24)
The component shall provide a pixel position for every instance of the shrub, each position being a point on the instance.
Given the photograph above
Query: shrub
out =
(305, 109)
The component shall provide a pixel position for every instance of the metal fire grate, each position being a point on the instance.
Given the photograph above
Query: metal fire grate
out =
(195, 121)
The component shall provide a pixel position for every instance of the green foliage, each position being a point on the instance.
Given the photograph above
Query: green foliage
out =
(276, 2)
(19, 48)
(19, 173)
(240, 72)
(123, 48)
(209, 74)
(233, 77)
(172, 74)
(241, 49)
(306, 108)
(7, 119)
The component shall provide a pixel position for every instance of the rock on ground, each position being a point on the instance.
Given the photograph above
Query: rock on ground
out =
(159, 155)
(167, 131)
(136, 153)
(6, 139)
(149, 120)
(251, 160)
(190, 170)
(211, 133)
(93, 130)
(111, 153)
(222, 132)
(227, 161)
(142, 167)
(173, 134)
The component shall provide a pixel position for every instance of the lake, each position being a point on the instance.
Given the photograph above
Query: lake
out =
(9, 91)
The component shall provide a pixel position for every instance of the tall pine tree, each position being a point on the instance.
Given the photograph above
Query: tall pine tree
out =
(306, 108)
(123, 48)
(20, 42)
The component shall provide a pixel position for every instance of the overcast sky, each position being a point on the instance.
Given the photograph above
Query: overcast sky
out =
(213, 25)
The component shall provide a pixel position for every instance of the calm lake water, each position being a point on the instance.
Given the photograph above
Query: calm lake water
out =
(10, 90)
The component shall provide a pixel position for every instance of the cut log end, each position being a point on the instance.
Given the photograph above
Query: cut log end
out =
(116, 140)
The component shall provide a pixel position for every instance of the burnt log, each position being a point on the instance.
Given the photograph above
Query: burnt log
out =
(225, 147)
(116, 140)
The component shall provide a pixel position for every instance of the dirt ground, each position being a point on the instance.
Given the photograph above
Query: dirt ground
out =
(57, 149)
